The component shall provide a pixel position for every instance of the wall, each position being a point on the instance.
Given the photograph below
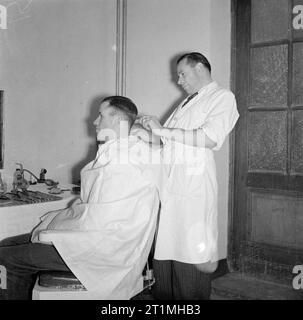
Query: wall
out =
(220, 53)
(56, 58)
(159, 30)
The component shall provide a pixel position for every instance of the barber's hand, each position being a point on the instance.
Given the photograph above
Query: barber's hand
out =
(137, 130)
(150, 122)
(146, 135)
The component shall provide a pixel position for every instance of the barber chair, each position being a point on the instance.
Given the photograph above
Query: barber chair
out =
(64, 285)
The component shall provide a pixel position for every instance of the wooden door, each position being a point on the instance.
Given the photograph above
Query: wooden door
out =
(266, 225)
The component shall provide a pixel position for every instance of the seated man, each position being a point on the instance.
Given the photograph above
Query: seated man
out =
(104, 237)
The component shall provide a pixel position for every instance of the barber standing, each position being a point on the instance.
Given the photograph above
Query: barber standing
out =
(186, 244)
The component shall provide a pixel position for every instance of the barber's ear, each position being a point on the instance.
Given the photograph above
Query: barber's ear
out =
(200, 67)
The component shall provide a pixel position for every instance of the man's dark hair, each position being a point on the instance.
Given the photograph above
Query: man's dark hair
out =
(193, 58)
(125, 105)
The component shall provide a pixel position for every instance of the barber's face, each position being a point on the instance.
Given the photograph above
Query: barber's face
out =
(188, 77)
(106, 122)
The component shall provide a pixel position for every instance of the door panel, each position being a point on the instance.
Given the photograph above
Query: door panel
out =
(269, 70)
(297, 94)
(276, 219)
(266, 227)
(297, 142)
(267, 143)
(269, 20)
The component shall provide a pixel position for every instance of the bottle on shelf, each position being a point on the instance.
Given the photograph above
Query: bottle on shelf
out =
(3, 185)
(17, 178)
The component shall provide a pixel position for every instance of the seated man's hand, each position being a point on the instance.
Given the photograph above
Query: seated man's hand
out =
(43, 237)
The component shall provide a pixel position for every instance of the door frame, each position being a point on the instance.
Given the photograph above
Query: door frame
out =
(233, 232)
(237, 220)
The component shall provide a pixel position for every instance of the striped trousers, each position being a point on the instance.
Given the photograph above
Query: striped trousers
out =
(180, 281)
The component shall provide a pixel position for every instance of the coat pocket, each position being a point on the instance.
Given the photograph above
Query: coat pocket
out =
(186, 180)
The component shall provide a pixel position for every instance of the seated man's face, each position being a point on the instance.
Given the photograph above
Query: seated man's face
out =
(106, 122)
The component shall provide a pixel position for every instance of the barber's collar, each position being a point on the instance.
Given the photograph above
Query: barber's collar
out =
(207, 87)
(204, 89)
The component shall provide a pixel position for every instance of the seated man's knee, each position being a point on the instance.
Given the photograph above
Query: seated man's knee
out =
(3, 258)
(7, 257)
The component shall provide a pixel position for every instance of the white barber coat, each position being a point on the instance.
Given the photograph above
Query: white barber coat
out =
(106, 236)
(188, 220)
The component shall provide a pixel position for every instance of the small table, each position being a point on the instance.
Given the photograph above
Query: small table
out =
(19, 219)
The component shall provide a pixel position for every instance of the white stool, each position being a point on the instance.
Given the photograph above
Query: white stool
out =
(60, 287)
(54, 293)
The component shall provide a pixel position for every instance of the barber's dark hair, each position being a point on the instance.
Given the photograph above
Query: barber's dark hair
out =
(193, 58)
(125, 105)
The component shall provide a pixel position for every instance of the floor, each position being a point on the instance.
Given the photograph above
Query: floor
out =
(225, 286)
(236, 286)
(147, 294)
